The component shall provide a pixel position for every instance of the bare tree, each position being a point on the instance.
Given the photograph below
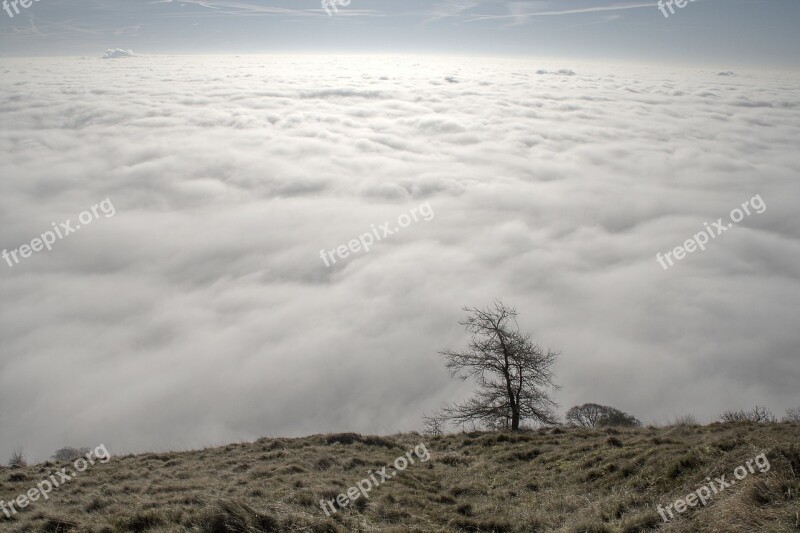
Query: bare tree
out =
(587, 415)
(592, 415)
(792, 415)
(513, 374)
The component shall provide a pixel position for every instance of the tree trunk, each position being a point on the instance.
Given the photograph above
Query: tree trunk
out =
(507, 375)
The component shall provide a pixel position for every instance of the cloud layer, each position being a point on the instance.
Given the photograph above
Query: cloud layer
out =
(202, 313)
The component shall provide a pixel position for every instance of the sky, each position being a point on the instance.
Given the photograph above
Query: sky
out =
(199, 303)
(718, 33)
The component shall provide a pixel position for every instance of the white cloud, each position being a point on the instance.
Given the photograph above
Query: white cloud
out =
(202, 313)
(116, 53)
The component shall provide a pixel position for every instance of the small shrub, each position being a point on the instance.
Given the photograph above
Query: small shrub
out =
(792, 415)
(760, 415)
(18, 459)
(685, 420)
(68, 454)
(18, 477)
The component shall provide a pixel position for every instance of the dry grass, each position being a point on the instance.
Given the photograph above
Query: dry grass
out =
(565, 479)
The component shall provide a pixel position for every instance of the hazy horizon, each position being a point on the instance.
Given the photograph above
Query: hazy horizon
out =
(717, 33)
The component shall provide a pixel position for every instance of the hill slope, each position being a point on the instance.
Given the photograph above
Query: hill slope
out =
(563, 479)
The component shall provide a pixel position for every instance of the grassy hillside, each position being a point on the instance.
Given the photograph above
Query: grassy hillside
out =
(561, 479)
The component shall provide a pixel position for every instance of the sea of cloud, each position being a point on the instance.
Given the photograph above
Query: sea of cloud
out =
(202, 313)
